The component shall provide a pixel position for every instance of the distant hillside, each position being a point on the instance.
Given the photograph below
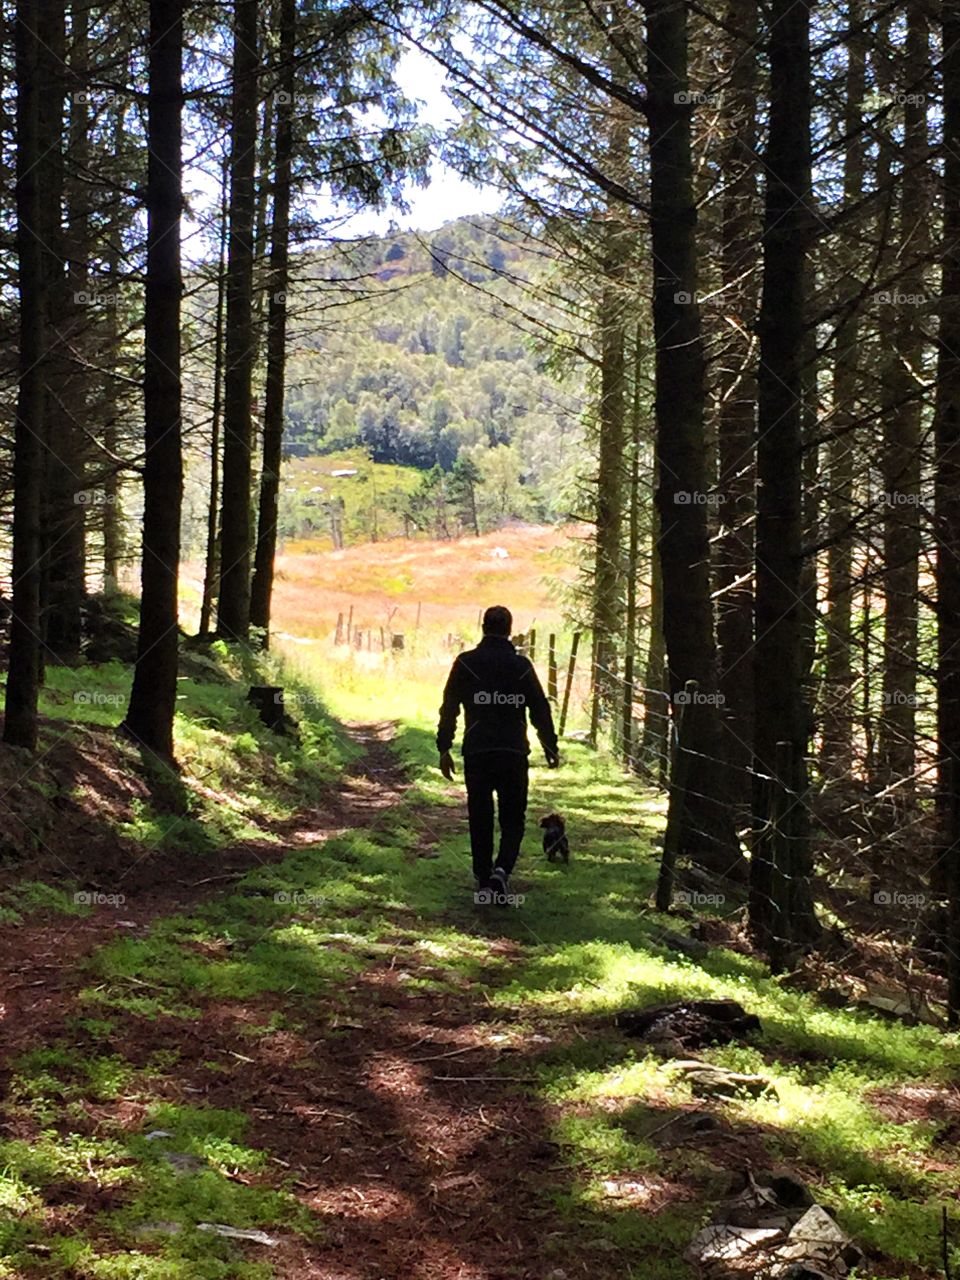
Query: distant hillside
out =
(426, 361)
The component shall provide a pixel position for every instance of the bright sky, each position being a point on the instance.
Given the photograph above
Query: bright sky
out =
(447, 196)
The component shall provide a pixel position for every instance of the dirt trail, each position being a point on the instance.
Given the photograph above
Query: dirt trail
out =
(418, 1161)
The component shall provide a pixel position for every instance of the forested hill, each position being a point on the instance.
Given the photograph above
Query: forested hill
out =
(430, 355)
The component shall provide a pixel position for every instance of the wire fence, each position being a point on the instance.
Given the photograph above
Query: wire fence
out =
(754, 842)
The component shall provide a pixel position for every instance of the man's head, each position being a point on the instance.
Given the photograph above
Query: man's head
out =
(497, 621)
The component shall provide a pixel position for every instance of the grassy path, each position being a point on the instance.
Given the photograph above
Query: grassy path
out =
(337, 1050)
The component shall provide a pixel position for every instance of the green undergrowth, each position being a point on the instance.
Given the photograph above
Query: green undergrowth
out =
(188, 1166)
(237, 780)
(291, 941)
(590, 948)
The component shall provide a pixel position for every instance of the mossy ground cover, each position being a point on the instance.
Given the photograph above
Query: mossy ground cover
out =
(296, 954)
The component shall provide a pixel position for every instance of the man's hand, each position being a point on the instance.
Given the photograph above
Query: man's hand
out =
(553, 759)
(446, 765)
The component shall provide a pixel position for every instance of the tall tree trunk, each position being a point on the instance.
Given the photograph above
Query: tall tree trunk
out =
(262, 232)
(901, 443)
(737, 394)
(707, 828)
(113, 525)
(947, 498)
(655, 706)
(811, 500)
(607, 570)
(838, 706)
(112, 521)
(71, 318)
(20, 717)
(211, 557)
(628, 747)
(233, 615)
(780, 713)
(153, 697)
(60, 635)
(262, 587)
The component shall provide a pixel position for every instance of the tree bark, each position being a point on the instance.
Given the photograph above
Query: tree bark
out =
(838, 705)
(113, 524)
(707, 829)
(655, 706)
(780, 713)
(628, 747)
(211, 557)
(262, 587)
(947, 500)
(901, 443)
(233, 615)
(69, 322)
(737, 395)
(23, 676)
(608, 526)
(150, 713)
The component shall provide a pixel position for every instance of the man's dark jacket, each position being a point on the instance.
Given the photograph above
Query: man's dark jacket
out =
(496, 686)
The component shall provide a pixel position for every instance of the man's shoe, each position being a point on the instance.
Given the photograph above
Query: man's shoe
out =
(498, 886)
(482, 892)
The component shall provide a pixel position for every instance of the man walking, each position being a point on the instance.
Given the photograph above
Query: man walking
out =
(496, 686)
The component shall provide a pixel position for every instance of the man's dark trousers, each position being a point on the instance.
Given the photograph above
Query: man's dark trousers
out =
(504, 774)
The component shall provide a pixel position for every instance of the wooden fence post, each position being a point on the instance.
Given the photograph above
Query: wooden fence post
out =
(571, 667)
(532, 644)
(350, 625)
(552, 668)
(339, 639)
(677, 790)
(626, 712)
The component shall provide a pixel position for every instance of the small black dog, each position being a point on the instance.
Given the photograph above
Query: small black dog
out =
(555, 842)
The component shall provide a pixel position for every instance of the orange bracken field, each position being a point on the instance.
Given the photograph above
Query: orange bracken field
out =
(448, 582)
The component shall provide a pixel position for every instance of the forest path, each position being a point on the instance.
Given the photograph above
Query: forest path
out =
(334, 1054)
(423, 1159)
(378, 1104)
